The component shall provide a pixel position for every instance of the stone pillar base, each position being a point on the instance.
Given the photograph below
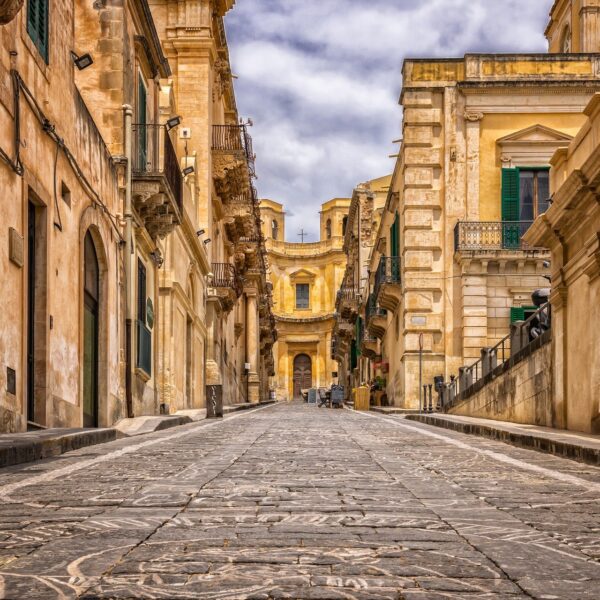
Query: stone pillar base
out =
(253, 389)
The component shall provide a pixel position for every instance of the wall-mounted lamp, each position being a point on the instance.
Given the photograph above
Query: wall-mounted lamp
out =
(173, 122)
(157, 258)
(188, 171)
(82, 62)
(207, 241)
(200, 232)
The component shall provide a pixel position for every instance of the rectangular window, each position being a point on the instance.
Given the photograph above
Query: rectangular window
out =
(37, 25)
(302, 296)
(524, 198)
(525, 193)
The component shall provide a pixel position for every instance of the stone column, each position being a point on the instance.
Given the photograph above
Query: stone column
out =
(252, 346)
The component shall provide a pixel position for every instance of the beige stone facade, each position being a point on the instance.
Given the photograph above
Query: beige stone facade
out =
(449, 266)
(570, 229)
(356, 346)
(115, 305)
(231, 330)
(305, 279)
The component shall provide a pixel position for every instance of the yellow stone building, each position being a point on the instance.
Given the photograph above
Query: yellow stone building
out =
(305, 279)
(133, 272)
(570, 229)
(450, 269)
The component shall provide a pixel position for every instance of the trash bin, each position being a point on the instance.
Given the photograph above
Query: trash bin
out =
(361, 398)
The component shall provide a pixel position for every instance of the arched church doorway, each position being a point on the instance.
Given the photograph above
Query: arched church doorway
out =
(91, 295)
(302, 374)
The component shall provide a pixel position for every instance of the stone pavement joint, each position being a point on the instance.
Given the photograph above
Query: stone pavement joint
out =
(292, 501)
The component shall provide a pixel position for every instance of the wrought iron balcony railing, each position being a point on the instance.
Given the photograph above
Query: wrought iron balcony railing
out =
(234, 139)
(349, 293)
(490, 235)
(225, 275)
(373, 310)
(388, 272)
(154, 155)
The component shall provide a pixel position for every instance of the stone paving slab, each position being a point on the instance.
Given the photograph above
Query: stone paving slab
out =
(289, 501)
(569, 444)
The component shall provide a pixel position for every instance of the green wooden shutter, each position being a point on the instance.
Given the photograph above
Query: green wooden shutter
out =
(394, 238)
(510, 194)
(37, 25)
(353, 356)
(142, 117)
(511, 234)
(517, 313)
(359, 335)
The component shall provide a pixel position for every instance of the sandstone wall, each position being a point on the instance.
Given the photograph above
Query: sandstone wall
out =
(520, 394)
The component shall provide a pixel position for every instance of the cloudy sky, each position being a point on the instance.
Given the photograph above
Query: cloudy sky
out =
(321, 81)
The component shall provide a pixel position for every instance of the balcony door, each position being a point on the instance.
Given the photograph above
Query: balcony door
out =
(525, 194)
(302, 374)
(141, 126)
(90, 333)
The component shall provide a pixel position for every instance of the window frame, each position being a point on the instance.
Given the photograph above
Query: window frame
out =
(32, 23)
(307, 285)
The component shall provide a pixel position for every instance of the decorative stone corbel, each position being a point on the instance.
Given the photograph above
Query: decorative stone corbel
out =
(473, 117)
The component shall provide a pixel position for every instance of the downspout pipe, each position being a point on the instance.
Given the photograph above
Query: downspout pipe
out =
(128, 114)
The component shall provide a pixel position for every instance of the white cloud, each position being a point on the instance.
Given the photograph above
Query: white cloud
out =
(321, 80)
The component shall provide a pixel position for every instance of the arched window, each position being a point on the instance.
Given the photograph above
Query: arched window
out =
(328, 229)
(344, 225)
(274, 229)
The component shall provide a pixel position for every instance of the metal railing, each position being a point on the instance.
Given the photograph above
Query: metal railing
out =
(347, 292)
(490, 235)
(523, 334)
(234, 138)
(154, 154)
(388, 271)
(372, 309)
(225, 275)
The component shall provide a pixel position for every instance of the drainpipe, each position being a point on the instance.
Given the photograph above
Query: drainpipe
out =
(128, 265)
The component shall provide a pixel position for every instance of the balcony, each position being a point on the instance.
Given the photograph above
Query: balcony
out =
(388, 289)
(233, 160)
(375, 318)
(491, 236)
(369, 346)
(226, 285)
(157, 189)
(347, 302)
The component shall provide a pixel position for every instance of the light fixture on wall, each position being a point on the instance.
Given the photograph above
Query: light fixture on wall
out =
(82, 62)
(207, 241)
(200, 232)
(173, 122)
(188, 171)
(157, 258)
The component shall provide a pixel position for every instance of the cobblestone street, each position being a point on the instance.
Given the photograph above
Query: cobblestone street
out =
(291, 501)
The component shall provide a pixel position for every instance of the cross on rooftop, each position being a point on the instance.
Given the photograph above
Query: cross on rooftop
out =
(302, 235)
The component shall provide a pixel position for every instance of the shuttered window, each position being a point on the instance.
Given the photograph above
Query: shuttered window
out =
(37, 25)
(510, 194)
(394, 237)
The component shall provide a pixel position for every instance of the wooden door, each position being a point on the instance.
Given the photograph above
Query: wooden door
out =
(302, 374)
